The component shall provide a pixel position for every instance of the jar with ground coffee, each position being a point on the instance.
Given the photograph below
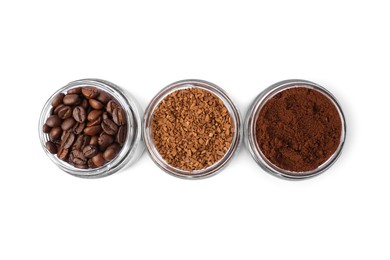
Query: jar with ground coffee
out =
(295, 129)
(91, 128)
(192, 129)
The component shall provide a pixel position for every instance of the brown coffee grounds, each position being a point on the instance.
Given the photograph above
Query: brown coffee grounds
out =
(192, 129)
(298, 129)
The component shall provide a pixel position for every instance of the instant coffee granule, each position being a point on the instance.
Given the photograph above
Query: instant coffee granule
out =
(298, 129)
(192, 129)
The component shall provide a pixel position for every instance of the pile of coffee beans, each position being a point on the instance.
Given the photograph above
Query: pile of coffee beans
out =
(86, 127)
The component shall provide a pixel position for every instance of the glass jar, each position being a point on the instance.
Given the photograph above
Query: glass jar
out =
(250, 130)
(131, 149)
(217, 166)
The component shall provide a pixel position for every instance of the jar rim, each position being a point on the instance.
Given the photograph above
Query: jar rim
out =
(233, 112)
(250, 130)
(133, 138)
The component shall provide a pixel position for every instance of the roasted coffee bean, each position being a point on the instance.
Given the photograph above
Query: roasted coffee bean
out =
(121, 135)
(57, 100)
(81, 166)
(79, 114)
(62, 153)
(63, 135)
(90, 92)
(97, 121)
(111, 105)
(78, 128)
(55, 110)
(90, 151)
(78, 158)
(68, 123)
(74, 91)
(68, 140)
(78, 143)
(109, 127)
(81, 142)
(104, 141)
(57, 142)
(71, 99)
(95, 104)
(55, 133)
(85, 104)
(86, 141)
(111, 152)
(119, 116)
(104, 97)
(63, 112)
(94, 114)
(94, 140)
(53, 121)
(51, 147)
(46, 129)
(98, 160)
(93, 130)
(91, 164)
(70, 157)
(105, 115)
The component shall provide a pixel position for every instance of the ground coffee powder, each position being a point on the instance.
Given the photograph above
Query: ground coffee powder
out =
(298, 129)
(192, 129)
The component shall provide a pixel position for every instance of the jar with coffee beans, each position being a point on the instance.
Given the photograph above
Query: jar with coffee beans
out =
(91, 128)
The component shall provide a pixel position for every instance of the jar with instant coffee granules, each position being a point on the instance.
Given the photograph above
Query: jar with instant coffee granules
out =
(91, 128)
(295, 129)
(192, 129)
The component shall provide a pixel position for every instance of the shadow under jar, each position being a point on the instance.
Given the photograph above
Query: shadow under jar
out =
(192, 129)
(295, 129)
(91, 128)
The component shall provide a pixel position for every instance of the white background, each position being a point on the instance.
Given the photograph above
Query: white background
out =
(243, 212)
